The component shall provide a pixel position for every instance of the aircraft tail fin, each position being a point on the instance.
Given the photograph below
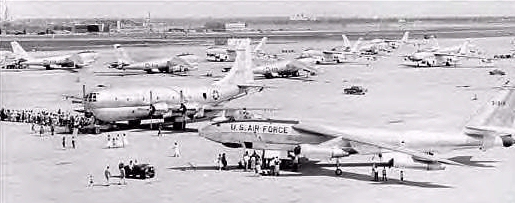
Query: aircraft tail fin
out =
(404, 38)
(463, 50)
(241, 72)
(18, 50)
(497, 112)
(356, 45)
(346, 42)
(121, 55)
(259, 47)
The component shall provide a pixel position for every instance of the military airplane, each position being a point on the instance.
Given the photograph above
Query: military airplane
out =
(64, 62)
(347, 53)
(178, 64)
(376, 46)
(284, 68)
(492, 126)
(228, 54)
(450, 56)
(173, 104)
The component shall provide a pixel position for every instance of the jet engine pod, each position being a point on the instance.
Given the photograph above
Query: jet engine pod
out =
(507, 141)
(399, 160)
(309, 150)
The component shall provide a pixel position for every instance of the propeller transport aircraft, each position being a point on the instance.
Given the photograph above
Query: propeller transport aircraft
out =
(64, 62)
(491, 126)
(176, 105)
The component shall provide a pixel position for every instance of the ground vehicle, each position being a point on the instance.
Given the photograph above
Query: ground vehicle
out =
(141, 171)
(357, 90)
(497, 72)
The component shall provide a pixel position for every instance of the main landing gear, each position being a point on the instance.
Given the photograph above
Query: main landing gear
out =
(338, 171)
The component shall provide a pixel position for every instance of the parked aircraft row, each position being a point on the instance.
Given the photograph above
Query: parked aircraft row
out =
(21, 59)
(181, 105)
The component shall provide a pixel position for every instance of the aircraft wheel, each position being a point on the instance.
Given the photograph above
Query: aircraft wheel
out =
(338, 172)
(97, 130)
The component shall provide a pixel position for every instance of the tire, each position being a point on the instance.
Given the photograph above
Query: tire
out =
(338, 172)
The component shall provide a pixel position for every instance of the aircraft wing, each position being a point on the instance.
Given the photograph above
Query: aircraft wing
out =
(304, 67)
(461, 55)
(350, 136)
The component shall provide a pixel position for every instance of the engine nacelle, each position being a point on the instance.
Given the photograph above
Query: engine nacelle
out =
(407, 161)
(309, 150)
(507, 140)
(159, 108)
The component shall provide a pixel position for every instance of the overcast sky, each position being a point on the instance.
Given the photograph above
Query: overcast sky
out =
(188, 8)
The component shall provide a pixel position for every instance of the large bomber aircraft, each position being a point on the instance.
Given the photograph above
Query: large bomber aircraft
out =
(492, 126)
(65, 62)
(228, 54)
(376, 46)
(177, 64)
(272, 67)
(434, 56)
(284, 68)
(173, 104)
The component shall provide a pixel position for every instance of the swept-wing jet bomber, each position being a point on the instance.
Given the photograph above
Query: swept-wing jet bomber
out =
(177, 64)
(492, 126)
(65, 62)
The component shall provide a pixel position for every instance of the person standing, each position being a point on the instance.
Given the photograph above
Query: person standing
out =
(176, 150)
(224, 162)
(374, 171)
(122, 174)
(258, 165)
(384, 174)
(402, 175)
(246, 159)
(52, 129)
(159, 128)
(73, 142)
(219, 162)
(107, 175)
(90, 180)
(64, 142)
(41, 130)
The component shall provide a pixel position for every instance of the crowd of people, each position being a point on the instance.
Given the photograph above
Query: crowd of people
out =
(46, 119)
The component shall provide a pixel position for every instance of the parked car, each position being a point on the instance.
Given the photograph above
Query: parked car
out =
(141, 171)
(497, 72)
(357, 90)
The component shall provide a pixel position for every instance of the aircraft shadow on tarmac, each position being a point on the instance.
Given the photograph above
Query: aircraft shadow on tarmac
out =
(300, 78)
(466, 160)
(312, 169)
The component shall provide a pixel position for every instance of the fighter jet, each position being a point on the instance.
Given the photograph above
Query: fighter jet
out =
(178, 64)
(228, 54)
(435, 56)
(65, 62)
(492, 126)
(173, 104)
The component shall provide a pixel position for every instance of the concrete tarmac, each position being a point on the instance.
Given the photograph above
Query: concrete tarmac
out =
(37, 169)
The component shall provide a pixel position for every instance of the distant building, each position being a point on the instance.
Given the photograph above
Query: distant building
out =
(87, 28)
(235, 26)
(302, 17)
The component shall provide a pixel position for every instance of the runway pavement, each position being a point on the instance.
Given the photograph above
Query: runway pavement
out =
(37, 169)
